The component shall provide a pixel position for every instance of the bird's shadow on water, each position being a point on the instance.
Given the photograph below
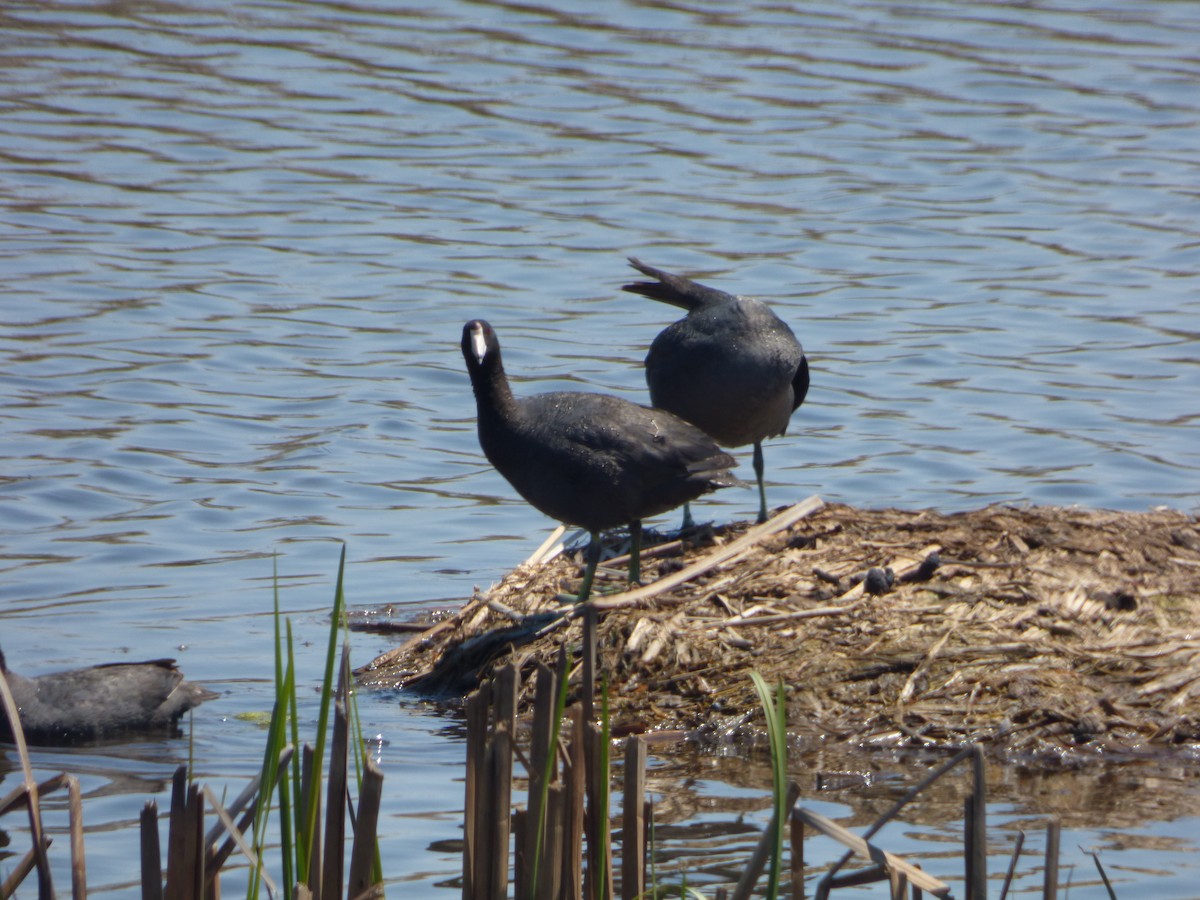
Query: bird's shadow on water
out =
(108, 766)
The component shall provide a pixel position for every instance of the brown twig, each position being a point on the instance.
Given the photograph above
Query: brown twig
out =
(638, 596)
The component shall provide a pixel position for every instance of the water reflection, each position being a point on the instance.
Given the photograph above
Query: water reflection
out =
(238, 246)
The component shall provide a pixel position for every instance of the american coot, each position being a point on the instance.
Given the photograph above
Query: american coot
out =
(99, 701)
(730, 366)
(590, 460)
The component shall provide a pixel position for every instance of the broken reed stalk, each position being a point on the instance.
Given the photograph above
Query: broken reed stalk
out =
(549, 873)
(185, 859)
(500, 777)
(540, 777)
(175, 832)
(975, 840)
(499, 768)
(151, 854)
(1050, 886)
(797, 857)
(491, 713)
(214, 860)
(1012, 864)
(884, 862)
(633, 821)
(78, 862)
(19, 872)
(199, 886)
(30, 789)
(969, 844)
(979, 830)
(830, 879)
(575, 779)
(17, 798)
(765, 849)
(246, 803)
(473, 789)
(335, 801)
(362, 854)
(975, 828)
(1112, 895)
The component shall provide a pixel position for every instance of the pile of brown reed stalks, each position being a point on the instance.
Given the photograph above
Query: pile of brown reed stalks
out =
(1038, 631)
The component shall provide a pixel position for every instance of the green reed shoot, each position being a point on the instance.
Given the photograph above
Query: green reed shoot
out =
(276, 741)
(776, 716)
(299, 803)
(548, 768)
(605, 848)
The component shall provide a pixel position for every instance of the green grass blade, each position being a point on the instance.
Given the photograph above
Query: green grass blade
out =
(306, 844)
(358, 745)
(543, 801)
(286, 702)
(776, 715)
(298, 852)
(276, 740)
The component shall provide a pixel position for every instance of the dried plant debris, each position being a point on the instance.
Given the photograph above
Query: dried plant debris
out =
(1038, 630)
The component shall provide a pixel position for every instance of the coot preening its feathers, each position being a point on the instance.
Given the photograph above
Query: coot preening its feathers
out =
(591, 460)
(730, 366)
(99, 701)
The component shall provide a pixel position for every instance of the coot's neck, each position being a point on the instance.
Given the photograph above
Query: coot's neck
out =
(493, 396)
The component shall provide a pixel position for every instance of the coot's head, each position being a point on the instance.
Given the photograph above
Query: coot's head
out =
(480, 347)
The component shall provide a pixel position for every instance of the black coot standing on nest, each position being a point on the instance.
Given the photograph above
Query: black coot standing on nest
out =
(99, 701)
(730, 366)
(590, 460)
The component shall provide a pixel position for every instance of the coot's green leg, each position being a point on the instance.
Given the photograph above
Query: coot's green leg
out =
(762, 490)
(589, 573)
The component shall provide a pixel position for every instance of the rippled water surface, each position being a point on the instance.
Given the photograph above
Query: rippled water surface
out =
(238, 244)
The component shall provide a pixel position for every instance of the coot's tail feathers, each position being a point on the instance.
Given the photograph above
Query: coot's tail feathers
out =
(800, 382)
(674, 289)
(164, 663)
(715, 470)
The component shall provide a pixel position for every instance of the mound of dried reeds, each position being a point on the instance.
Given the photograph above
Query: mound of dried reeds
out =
(1038, 631)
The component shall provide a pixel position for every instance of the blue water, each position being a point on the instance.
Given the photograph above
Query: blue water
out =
(238, 244)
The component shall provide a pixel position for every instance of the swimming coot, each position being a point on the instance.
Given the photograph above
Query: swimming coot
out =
(99, 701)
(730, 366)
(590, 460)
